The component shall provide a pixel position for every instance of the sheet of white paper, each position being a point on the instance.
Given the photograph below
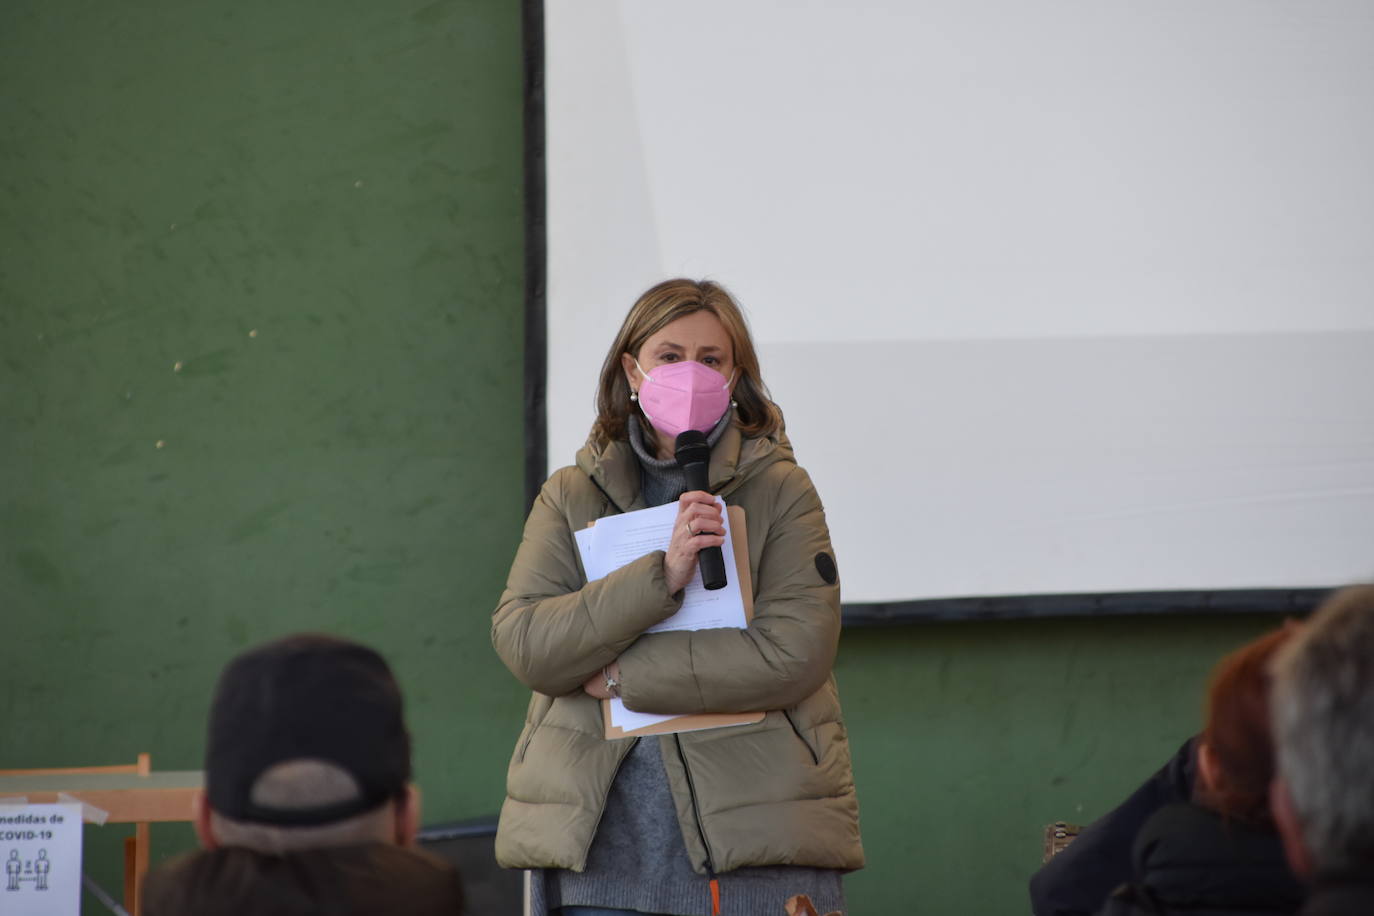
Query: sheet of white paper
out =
(620, 539)
(40, 848)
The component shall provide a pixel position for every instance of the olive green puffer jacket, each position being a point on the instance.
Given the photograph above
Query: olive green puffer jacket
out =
(779, 792)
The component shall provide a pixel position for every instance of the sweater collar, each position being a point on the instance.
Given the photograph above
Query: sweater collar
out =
(734, 459)
(635, 434)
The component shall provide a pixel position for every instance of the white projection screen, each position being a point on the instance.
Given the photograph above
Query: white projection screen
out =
(1056, 297)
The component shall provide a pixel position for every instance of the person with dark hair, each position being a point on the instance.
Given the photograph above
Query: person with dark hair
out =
(1323, 794)
(734, 820)
(1219, 853)
(308, 806)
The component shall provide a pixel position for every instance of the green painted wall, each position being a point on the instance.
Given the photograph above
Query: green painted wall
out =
(260, 365)
(968, 738)
(313, 210)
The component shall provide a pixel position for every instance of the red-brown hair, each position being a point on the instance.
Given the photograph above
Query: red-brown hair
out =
(1237, 732)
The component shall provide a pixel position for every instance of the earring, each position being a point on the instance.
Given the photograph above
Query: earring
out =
(734, 403)
(634, 395)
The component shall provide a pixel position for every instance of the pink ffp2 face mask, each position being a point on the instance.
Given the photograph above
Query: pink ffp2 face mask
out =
(683, 395)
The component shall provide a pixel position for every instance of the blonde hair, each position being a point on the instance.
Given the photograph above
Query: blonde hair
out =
(658, 307)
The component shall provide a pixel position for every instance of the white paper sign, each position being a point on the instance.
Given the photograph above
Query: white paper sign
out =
(40, 850)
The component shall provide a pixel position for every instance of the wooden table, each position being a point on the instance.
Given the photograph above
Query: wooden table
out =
(128, 799)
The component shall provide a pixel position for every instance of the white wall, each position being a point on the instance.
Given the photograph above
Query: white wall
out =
(1056, 296)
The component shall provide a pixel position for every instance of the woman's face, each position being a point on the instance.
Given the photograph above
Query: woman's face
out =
(699, 336)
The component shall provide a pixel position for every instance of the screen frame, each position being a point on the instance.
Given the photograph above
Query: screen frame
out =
(1281, 601)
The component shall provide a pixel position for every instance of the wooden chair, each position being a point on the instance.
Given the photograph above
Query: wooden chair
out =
(135, 847)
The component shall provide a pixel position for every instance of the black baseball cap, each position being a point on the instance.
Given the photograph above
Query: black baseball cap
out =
(309, 696)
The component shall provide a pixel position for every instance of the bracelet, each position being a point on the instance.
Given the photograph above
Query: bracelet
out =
(612, 685)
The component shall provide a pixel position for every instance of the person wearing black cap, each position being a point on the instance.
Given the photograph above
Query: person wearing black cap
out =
(308, 806)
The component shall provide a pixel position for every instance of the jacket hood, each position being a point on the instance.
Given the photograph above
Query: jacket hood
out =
(1192, 857)
(614, 467)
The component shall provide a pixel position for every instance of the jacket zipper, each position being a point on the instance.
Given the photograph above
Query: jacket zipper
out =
(586, 850)
(815, 758)
(701, 830)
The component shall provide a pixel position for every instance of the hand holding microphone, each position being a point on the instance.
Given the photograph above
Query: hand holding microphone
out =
(699, 531)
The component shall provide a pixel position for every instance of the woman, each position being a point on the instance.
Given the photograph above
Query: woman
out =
(1221, 852)
(732, 820)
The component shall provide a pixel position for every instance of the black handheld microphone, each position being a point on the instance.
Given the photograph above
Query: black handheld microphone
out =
(694, 457)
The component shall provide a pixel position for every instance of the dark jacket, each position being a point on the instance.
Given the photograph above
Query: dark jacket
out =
(1075, 882)
(1350, 894)
(375, 878)
(1190, 860)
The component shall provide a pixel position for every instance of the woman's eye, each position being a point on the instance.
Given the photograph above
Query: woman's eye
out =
(668, 358)
(712, 361)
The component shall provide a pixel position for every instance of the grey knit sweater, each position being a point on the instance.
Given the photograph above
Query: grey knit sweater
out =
(638, 860)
